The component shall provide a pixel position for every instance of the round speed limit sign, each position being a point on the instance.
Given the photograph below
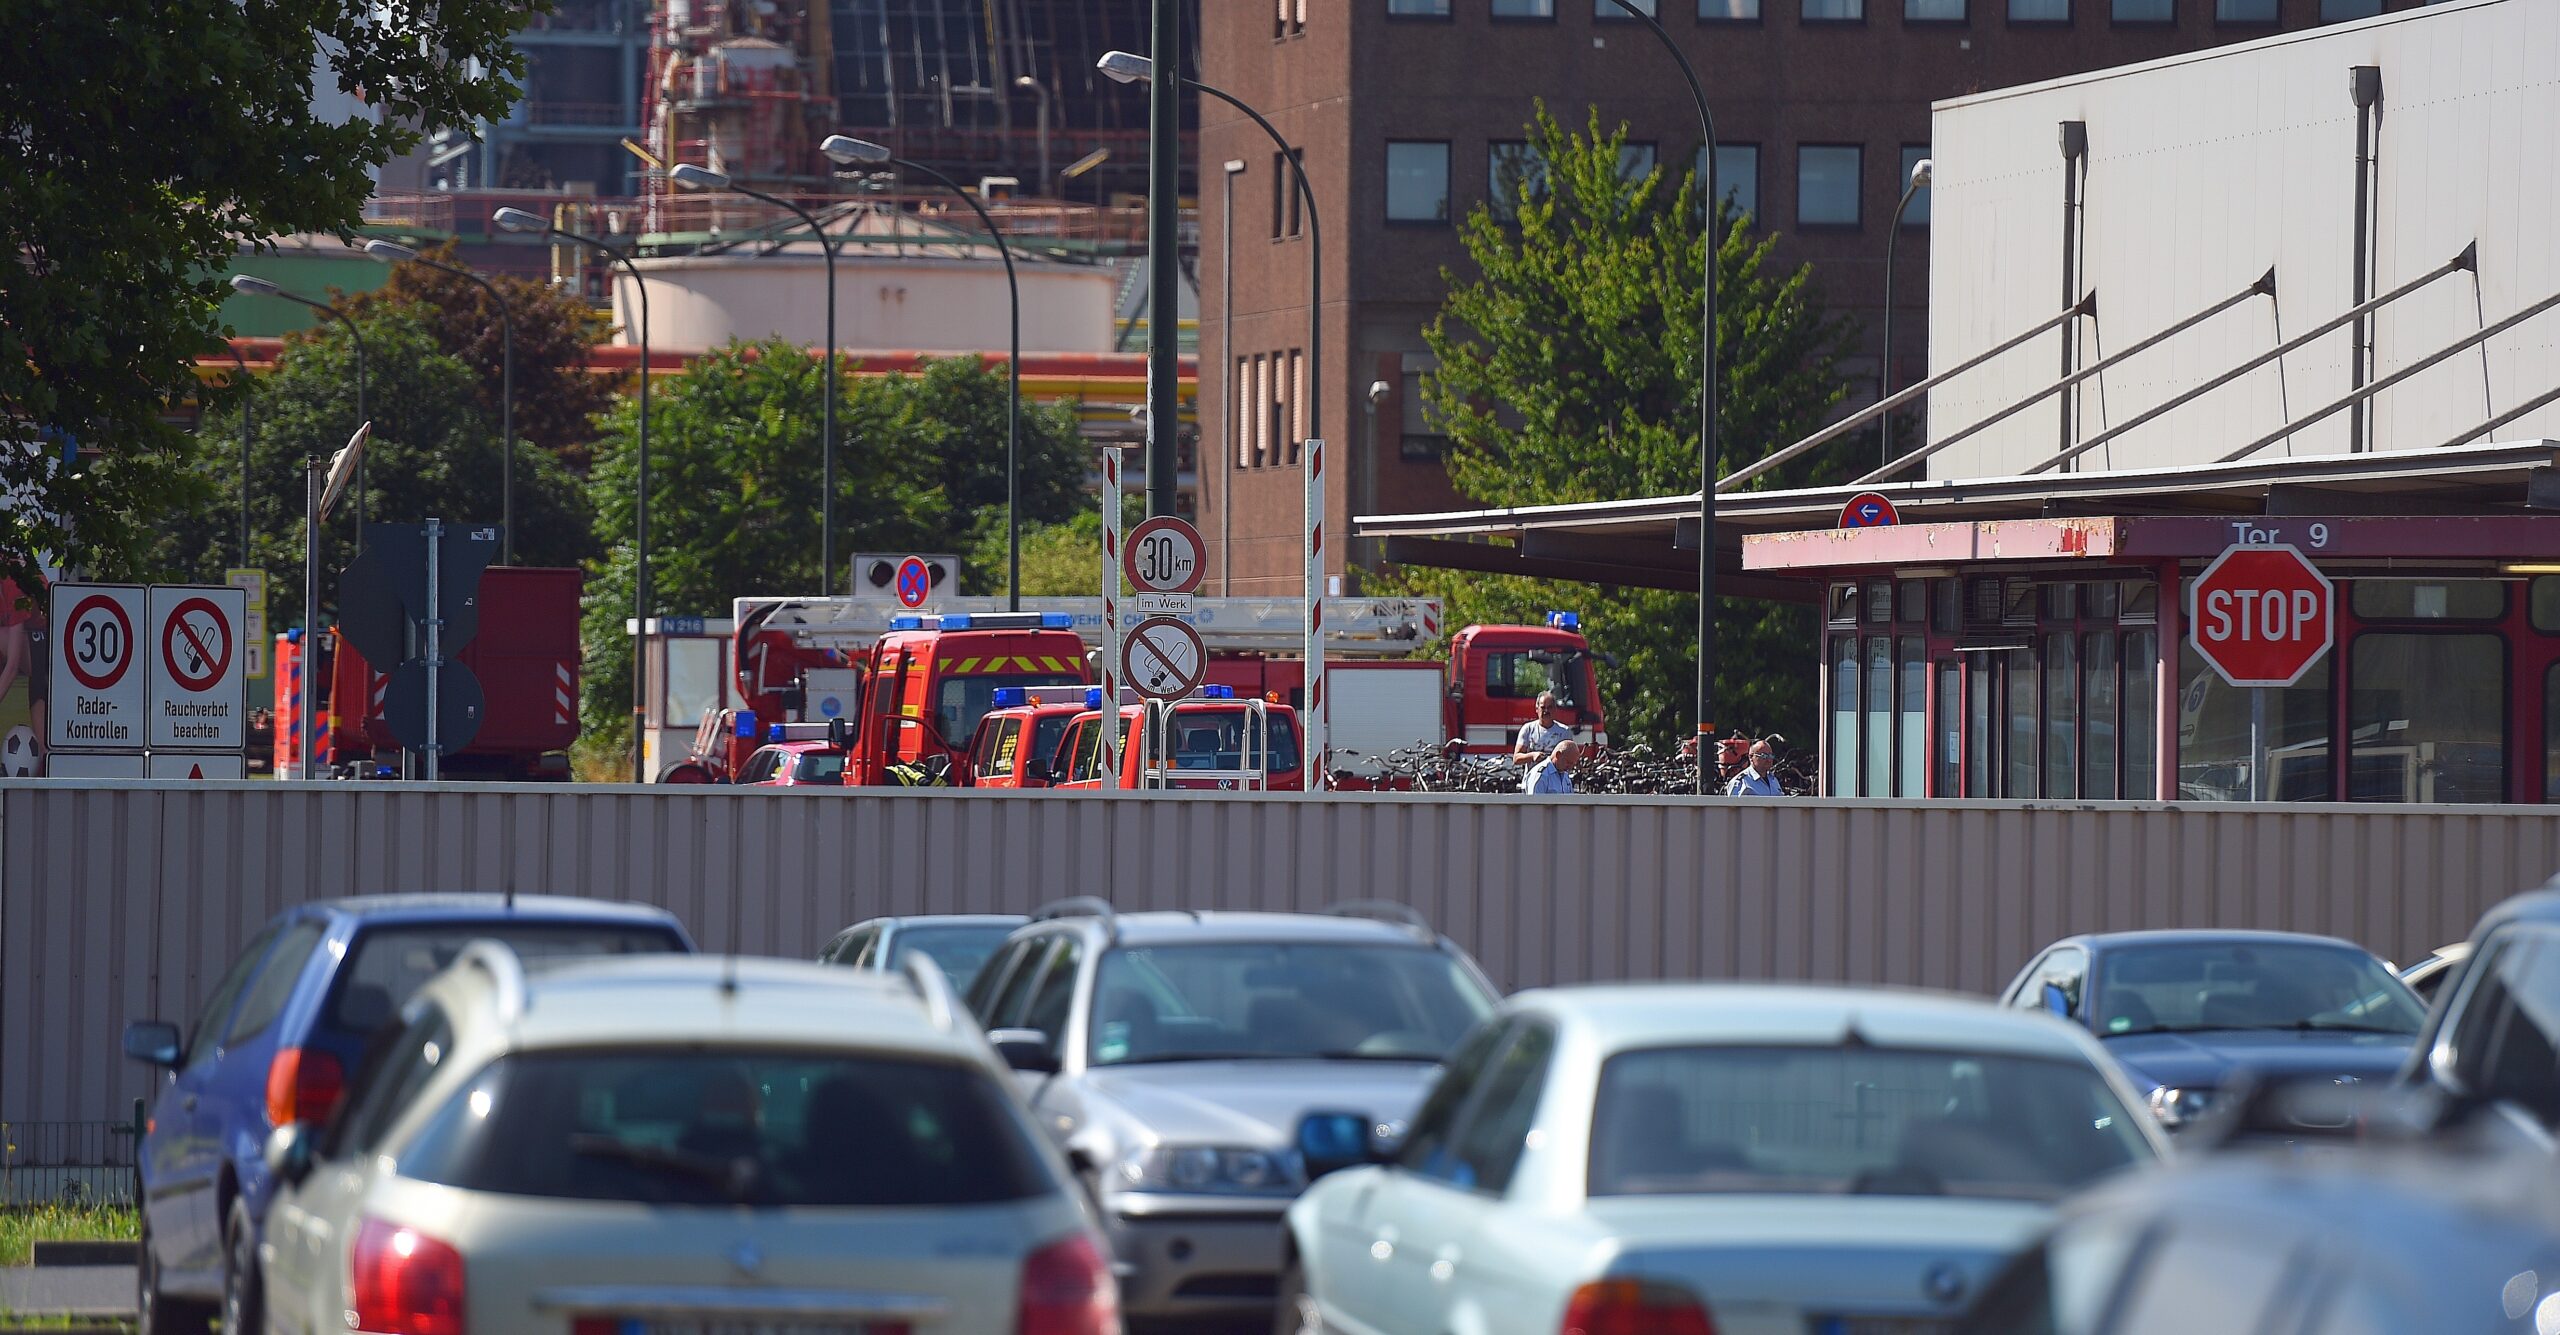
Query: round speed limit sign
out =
(98, 642)
(1163, 555)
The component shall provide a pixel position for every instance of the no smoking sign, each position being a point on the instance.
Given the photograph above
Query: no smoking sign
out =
(198, 689)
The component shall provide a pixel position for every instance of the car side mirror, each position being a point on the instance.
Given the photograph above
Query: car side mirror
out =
(2056, 1001)
(1025, 1050)
(839, 733)
(152, 1041)
(288, 1152)
(1331, 1141)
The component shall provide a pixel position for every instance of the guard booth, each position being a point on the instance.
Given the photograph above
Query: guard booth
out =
(1984, 647)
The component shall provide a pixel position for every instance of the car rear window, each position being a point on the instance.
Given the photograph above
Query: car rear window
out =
(958, 950)
(390, 963)
(687, 1127)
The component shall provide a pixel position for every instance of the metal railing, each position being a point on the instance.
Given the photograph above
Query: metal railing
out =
(70, 1163)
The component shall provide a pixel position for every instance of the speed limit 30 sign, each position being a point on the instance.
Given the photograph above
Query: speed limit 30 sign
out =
(1163, 555)
(98, 682)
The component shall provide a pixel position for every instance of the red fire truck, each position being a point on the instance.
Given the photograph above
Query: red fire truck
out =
(1018, 739)
(1212, 740)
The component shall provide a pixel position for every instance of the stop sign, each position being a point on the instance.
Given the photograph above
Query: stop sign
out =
(2261, 615)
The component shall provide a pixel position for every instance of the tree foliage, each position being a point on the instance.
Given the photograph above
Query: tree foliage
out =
(1568, 371)
(556, 397)
(140, 146)
(734, 473)
(432, 454)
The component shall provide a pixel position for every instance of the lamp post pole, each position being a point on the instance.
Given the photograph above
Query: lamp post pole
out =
(1893, 233)
(1707, 461)
(243, 364)
(700, 178)
(255, 286)
(1164, 264)
(392, 252)
(849, 150)
(517, 220)
(1227, 378)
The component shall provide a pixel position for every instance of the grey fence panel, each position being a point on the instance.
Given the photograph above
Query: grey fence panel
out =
(123, 901)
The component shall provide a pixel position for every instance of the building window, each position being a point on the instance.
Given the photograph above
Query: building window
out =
(2339, 11)
(2430, 599)
(1635, 162)
(2146, 11)
(2020, 679)
(1609, 9)
(2267, 744)
(2140, 738)
(2428, 715)
(1729, 11)
(1287, 217)
(1835, 11)
(1917, 215)
(1827, 185)
(1417, 9)
(1296, 412)
(1262, 400)
(1524, 9)
(2550, 732)
(1842, 773)
(1417, 182)
(2039, 11)
(1513, 171)
(1933, 11)
(1242, 386)
(1737, 176)
(1288, 19)
(1421, 436)
(2244, 11)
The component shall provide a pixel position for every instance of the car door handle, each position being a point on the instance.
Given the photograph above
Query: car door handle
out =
(188, 1103)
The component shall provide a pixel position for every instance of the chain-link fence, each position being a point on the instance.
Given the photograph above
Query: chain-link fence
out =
(70, 1163)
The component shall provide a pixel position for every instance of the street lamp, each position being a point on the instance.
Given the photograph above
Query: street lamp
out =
(250, 285)
(1893, 233)
(1026, 81)
(1706, 417)
(1227, 436)
(517, 220)
(703, 178)
(846, 149)
(392, 252)
(246, 389)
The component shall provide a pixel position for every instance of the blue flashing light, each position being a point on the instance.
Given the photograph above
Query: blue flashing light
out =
(1217, 692)
(906, 623)
(1093, 697)
(1057, 621)
(293, 636)
(1564, 620)
(747, 724)
(1007, 697)
(774, 733)
(956, 621)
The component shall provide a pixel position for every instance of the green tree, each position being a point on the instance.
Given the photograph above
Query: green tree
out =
(951, 414)
(431, 454)
(556, 397)
(1568, 371)
(140, 146)
(1060, 560)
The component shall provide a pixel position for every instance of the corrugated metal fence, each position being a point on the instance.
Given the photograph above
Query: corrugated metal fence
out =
(122, 901)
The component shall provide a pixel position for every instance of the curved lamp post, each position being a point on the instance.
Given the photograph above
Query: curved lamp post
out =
(1893, 233)
(703, 178)
(254, 286)
(517, 220)
(245, 392)
(846, 149)
(392, 252)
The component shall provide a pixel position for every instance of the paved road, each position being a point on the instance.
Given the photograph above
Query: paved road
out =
(68, 1290)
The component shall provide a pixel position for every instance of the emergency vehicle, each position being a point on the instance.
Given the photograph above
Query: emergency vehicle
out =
(798, 755)
(1212, 740)
(1018, 739)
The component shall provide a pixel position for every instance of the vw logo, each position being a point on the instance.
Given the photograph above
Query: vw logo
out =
(1944, 1283)
(747, 1257)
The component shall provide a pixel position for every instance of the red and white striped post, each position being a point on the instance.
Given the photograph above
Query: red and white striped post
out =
(1110, 667)
(1312, 718)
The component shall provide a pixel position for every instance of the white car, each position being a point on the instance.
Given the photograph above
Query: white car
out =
(680, 1146)
(1747, 1160)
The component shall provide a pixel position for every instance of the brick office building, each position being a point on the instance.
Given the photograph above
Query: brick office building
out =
(1401, 107)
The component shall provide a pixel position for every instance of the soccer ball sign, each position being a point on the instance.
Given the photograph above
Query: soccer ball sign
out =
(18, 754)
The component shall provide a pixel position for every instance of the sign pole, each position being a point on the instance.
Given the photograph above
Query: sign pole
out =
(1109, 666)
(1312, 718)
(435, 652)
(306, 696)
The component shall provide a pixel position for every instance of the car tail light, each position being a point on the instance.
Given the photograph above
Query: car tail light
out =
(406, 1283)
(1067, 1289)
(303, 1086)
(1636, 1307)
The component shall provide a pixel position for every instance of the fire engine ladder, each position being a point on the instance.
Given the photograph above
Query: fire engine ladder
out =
(1160, 760)
(1355, 627)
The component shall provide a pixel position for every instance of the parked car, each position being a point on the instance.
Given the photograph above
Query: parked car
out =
(2189, 1013)
(274, 1044)
(681, 1145)
(2431, 975)
(957, 942)
(1174, 1055)
(800, 764)
(2431, 1235)
(2492, 1043)
(1714, 1157)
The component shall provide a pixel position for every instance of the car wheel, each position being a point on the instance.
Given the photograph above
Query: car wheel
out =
(1296, 1312)
(240, 1286)
(155, 1312)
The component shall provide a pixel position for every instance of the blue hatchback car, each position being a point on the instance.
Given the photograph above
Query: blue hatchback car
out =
(2186, 1014)
(278, 1041)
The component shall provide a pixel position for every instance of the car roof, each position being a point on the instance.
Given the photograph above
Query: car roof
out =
(1166, 927)
(657, 999)
(2540, 906)
(1625, 1016)
(942, 920)
(468, 906)
(2207, 936)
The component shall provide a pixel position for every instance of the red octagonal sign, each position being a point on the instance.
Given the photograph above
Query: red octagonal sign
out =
(2261, 615)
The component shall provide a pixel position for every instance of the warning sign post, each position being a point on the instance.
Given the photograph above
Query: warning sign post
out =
(99, 691)
(199, 660)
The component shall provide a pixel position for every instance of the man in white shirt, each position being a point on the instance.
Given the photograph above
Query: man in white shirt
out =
(1758, 781)
(1555, 773)
(1540, 736)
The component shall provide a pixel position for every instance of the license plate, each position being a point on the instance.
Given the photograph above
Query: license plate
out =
(1881, 1325)
(726, 1326)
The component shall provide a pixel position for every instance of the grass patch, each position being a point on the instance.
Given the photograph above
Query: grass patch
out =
(21, 1229)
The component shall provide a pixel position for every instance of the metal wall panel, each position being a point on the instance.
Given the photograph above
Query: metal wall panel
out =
(123, 901)
(2206, 169)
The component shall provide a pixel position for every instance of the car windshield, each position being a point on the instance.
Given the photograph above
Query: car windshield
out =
(1224, 739)
(821, 767)
(689, 1127)
(390, 963)
(1274, 1000)
(1857, 1120)
(1044, 742)
(959, 950)
(1523, 674)
(965, 700)
(2249, 985)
